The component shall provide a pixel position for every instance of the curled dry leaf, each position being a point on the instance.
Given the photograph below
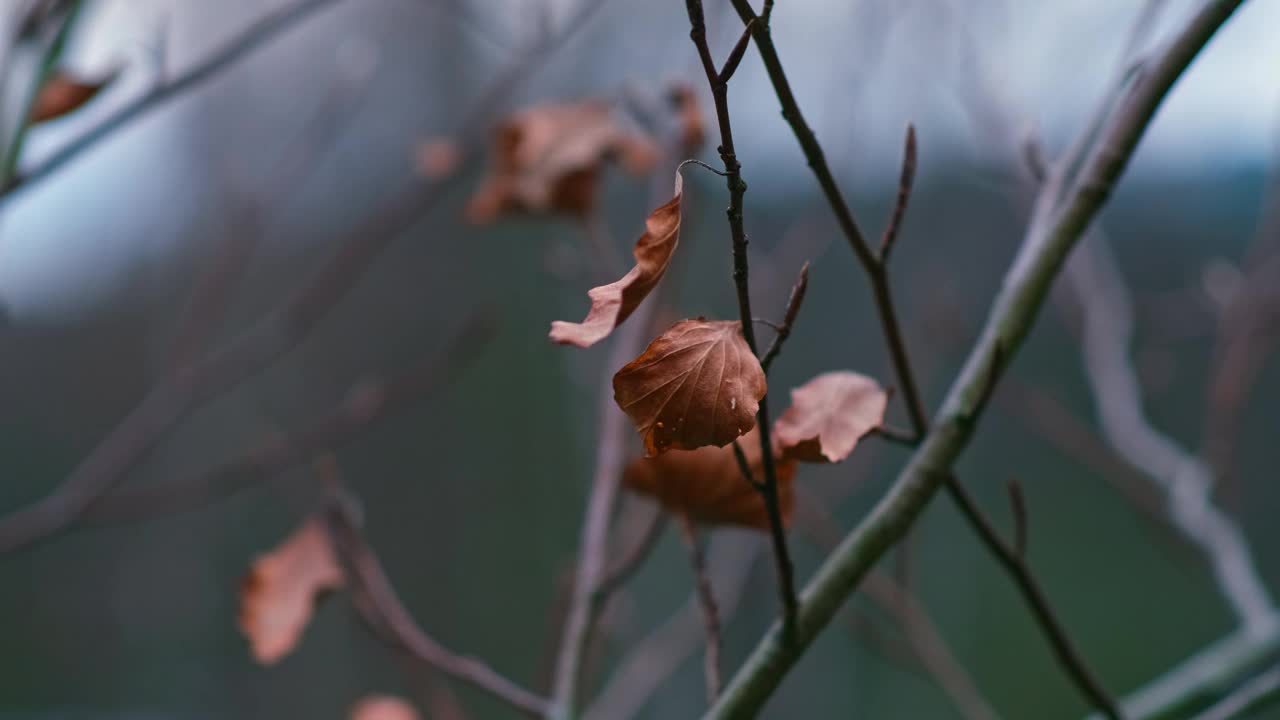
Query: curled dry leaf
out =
(696, 384)
(383, 707)
(548, 159)
(828, 415)
(278, 595)
(62, 94)
(708, 485)
(613, 303)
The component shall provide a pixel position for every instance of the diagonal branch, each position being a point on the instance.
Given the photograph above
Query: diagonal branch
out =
(383, 610)
(1055, 227)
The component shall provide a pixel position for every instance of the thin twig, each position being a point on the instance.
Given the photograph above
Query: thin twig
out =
(1012, 561)
(707, 602)
(737, 188)
(384, 611)
(648, 662)
(788, 318)
(1059, 221)
(623, 569)
(905, 181)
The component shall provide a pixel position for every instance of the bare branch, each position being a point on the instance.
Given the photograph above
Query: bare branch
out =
(905, 181)
(707, 601)
(1253, 695)
(384, 611)
(1099, 290)
(650, 661)
(788, 318)
(1010, 558)
(925, 641)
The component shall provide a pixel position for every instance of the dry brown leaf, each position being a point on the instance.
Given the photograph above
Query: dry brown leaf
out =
(62, 94)
(696, 384)
(693, 132)
(279, 593)
(548, 158)
(828, 415)
(708, 485)
(437, 158)
(383, 707)
(613, 303)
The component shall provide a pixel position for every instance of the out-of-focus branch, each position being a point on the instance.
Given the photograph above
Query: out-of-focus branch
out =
(368, 403)
(617, 574)
(926, 643)
(1098, 289)
(650, 661)
(1248, 332)
(1058, 222)
(255, 37)
(707, 601)
(1014, 562)
(382, 609)
(275, 333)
(593, 581)
(213, 288)
(1253, 695)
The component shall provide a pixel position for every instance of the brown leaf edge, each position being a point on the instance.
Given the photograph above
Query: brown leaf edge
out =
(613, 303)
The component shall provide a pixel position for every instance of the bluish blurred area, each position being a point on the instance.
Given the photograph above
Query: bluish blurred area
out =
(474, 498)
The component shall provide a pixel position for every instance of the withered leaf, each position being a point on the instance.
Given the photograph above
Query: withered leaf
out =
(613, 303)
(828, 415)
(383, 707)
(62, 94)
(548, 158)
(437, 158)
(708, 485)
(693, 132)
(278, 595)
(696, 384)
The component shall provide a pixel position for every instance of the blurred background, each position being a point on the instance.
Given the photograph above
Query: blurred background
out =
(474, 496)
